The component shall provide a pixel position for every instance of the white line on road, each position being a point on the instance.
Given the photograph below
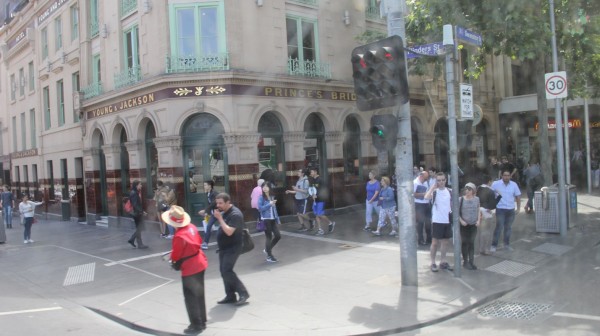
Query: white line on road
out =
(29, 311)
(578, 316)
(124, 261)
(144, 293)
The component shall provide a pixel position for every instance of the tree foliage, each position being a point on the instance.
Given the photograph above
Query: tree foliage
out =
(518, 29)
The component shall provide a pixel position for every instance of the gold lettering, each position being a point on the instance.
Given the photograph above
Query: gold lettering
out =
(268, 91)
(310, 93)
(278, 92)
(320, 94)
(293, 93)
(334, 95)
(353, 96)
(301, 93)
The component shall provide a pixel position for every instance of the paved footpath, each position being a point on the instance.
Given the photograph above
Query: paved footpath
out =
(345, 283)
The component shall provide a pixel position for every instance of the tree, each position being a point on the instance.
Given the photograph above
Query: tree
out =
(520, 30)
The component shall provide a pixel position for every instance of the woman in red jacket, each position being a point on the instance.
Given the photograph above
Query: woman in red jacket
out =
(186, 250)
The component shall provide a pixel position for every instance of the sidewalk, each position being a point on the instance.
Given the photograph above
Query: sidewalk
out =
(346, 283)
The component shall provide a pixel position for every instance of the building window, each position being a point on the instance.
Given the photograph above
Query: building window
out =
(31, 77)
(21, 82)
(302, 44)
(60, 102)
(352, 153)
(57, 33)
(132, 72)
(74, 22)
(44, 34)
(14, 137)
(198, 35)
(46, 102)
(94, 21)
(23, 132)
(13, 87)
(96, 69)
(32, 128)
(50, 172)
(75, 88)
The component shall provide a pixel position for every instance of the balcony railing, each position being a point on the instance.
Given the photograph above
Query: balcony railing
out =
(197, 63)
(372, 12)
(309, 68)
(94, 28)
(306, 2)
(128, 77)
(93, 90)
(128, 6)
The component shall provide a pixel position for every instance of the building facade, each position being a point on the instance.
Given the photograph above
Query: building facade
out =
(98, 95)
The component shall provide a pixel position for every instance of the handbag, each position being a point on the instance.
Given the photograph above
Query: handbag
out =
(261, 226)
(177, 264)
(247, 242)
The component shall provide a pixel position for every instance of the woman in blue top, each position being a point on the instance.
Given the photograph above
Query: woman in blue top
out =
(388, 207)
(373, 188)
(268, 213)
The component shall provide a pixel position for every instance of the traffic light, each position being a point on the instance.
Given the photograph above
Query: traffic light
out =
(384, 131)
(379, 74)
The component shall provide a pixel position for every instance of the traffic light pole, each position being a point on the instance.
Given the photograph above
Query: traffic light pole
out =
(396, 10)
(450, 50)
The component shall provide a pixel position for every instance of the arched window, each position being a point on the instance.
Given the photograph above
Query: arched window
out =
(270, 148)
(151, 160)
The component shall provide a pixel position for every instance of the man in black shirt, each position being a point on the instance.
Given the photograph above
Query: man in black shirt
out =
(229, 240)
(320, 194)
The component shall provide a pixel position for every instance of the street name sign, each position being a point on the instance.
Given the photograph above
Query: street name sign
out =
(430, 49)
(556, 85)
(468, 36)
(466, 101)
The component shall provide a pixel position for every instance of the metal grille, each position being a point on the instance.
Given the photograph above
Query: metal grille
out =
(553, 249)
(514, 310)
(510, 268)
(522, 256)
(80, 274)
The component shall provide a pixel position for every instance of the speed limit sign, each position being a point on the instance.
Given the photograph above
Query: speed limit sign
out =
(556, 85)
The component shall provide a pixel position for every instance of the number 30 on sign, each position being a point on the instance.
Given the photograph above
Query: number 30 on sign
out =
(556, 85)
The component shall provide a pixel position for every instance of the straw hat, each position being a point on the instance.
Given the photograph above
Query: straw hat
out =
(176, 217)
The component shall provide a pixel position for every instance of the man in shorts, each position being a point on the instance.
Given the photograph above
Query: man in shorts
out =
(300, 192)
(320, 194)
(441, 206)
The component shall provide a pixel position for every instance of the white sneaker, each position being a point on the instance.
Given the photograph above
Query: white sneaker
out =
(31, 240)
(26, 241)
(169, 236)
(393, 233)
(493, 249)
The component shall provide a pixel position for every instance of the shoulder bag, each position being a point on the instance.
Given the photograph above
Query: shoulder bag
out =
(247, 242)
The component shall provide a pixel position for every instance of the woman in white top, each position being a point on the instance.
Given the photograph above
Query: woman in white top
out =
(27, 210)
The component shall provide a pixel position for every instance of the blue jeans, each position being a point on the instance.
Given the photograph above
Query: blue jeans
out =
(370, 207)
(211, 221)
(7, 215)
(27, 231)
(504, 220)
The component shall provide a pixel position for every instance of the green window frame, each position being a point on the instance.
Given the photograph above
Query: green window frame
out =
(302, 38)
(31, 76)
(131, 47)
(94, 21)
(58, 38)
(96, 69)
(197, 29)
(46, 106)
(32, 129)
(21, 82)
(75, 89)
(74, 22)
(44, 34)
(23, 132)
(14, 126)
(60, 102)
(13, 87)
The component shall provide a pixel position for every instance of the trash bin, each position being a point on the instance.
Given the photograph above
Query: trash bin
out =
(545, 204)
(66, 209)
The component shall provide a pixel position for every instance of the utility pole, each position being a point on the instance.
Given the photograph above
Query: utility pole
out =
(560, 154)
(450, 50)
(395, 11)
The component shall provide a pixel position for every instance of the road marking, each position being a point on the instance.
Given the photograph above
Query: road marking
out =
(347, 242)
(125, 261)
(144, 293)
(80, 274)
(578, 316)
(30, 311)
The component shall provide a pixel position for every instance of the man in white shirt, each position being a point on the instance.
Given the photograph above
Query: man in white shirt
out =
(422, 208)
(505, 209)
(441, 230)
